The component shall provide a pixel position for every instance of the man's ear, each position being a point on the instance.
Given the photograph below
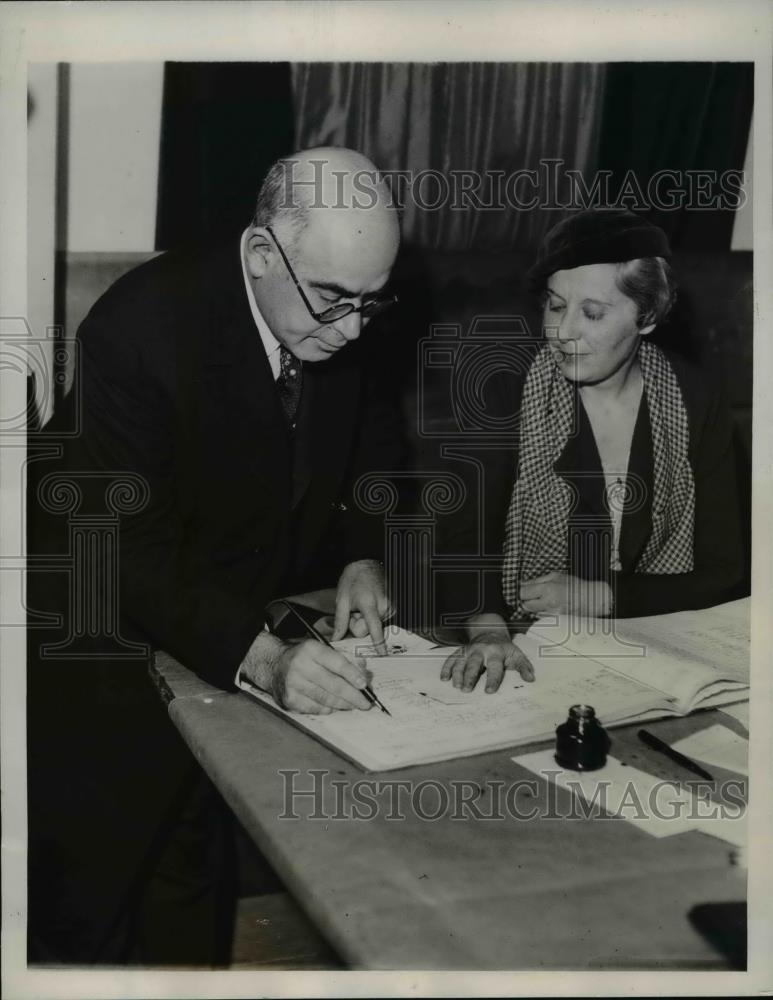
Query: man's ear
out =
(258, 251)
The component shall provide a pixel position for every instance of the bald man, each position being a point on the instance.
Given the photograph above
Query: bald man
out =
(317, 259)
(230, 384)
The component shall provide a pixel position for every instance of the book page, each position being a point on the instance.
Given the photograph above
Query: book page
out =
(718, 638)
(431, 720)
(679, 654)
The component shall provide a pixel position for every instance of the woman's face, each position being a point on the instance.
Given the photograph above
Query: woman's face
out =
(590, 325)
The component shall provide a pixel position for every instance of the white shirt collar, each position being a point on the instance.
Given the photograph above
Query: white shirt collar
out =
(270, 344)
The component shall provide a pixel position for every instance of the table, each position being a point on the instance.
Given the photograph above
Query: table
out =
(466, 893)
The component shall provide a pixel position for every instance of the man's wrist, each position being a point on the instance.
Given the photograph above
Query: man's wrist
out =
(260, 662)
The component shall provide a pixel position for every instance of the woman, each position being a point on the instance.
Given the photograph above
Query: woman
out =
(624, 501)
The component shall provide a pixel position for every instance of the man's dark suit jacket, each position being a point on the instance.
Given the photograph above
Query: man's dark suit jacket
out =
(176, 391)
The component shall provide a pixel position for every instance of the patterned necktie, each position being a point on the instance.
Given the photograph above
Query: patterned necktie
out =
(289, 384)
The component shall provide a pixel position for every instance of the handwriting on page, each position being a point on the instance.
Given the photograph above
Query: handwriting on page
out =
(393, 649)
(398, 641)
(635, 668)
(722, 647)
(430, 718)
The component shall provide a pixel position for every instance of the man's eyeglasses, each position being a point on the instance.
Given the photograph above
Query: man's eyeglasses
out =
(368, 309)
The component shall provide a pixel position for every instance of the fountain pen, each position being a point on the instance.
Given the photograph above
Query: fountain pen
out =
(367, 690)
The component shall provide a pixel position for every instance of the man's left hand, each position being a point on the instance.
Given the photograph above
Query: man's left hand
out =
(561, 594)
(362, 605)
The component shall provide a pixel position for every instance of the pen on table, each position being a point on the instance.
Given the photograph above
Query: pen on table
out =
(367, 690)
(679, 758)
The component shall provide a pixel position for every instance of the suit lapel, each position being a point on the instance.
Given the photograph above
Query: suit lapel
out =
(326, 427)
(239, 376)
(243, 416)
(304, 443)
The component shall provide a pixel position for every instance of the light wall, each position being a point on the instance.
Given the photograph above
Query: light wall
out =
(41, 225)
(742, 227)
(114, 130)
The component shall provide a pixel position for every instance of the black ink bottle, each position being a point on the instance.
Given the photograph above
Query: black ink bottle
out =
(582, 742)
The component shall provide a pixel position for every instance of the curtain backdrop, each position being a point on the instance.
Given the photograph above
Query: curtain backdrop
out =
(222, 126)
(456, 116)
(225, 123)
(679, 117)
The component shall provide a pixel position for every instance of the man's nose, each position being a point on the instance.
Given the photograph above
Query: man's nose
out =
(350, 326)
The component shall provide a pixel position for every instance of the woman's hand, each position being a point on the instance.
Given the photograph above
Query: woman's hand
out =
(561, 594)
(491, 652)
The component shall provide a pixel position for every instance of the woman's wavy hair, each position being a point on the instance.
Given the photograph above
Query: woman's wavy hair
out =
(649, 283)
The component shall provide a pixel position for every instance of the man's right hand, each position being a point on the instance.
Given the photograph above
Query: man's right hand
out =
(307, 677)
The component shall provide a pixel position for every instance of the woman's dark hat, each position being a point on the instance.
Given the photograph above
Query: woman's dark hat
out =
(596, 236)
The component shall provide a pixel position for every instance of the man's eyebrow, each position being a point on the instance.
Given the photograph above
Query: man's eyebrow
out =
(344, 293)
(331, 286)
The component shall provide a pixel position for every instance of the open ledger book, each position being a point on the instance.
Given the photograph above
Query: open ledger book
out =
(628, 669)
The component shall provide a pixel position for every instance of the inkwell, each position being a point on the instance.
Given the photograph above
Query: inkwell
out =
(582, 742)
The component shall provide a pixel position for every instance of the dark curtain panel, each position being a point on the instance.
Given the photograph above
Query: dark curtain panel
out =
(678, 117)
(222, 126)
(445, 117)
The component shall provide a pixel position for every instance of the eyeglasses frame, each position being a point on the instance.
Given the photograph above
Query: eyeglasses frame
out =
(380, 304)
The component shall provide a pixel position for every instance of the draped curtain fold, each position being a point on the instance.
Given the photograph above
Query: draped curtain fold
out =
(446, 117)
(222, 126)
(679, 117)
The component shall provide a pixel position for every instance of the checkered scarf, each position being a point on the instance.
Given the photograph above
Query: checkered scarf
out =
(536, 538)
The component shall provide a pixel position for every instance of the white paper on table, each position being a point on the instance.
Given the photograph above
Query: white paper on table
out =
(717, 745)
(739, 712)
(628, 792)
(646, 802)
